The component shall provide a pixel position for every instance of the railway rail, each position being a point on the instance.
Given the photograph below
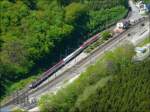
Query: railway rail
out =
(27, 91)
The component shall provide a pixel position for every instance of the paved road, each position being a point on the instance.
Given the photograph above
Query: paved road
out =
(135, 11)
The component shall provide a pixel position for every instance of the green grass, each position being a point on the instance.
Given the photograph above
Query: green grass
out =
(145, 41)
(18, 110)
(21, 84)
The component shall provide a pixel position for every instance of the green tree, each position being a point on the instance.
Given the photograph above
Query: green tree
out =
(74, 12)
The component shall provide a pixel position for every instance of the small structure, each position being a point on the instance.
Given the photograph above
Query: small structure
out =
(142, 52)
(138, 4)
(121, 26)
(143, 8)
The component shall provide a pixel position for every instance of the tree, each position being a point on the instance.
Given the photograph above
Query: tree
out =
(74, 12)
(14, 54)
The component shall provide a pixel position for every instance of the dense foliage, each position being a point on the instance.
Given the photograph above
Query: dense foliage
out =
(34, 31)
(106, 35)
(129, 91)
(103, 85)
(104, 17)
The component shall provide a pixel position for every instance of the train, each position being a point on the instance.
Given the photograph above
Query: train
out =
(63, 62)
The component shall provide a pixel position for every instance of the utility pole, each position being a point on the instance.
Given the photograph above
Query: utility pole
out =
(149, 24)
(17, 97)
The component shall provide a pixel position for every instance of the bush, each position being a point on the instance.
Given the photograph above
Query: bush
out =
(106, 35)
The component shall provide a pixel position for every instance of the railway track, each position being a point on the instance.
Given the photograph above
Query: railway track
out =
(26, 92)
(97, 51)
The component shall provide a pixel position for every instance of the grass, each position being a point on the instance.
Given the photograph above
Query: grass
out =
(18, 110)
(21, 84)
(145, 41)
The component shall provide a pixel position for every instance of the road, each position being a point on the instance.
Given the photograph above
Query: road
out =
(135, 11)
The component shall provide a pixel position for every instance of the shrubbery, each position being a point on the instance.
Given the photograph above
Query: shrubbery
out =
(106, 35)
(102, 18)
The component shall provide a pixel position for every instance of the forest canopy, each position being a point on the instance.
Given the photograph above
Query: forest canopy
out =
(34, 31)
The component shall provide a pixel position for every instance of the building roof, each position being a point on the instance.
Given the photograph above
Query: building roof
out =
(140, 49)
